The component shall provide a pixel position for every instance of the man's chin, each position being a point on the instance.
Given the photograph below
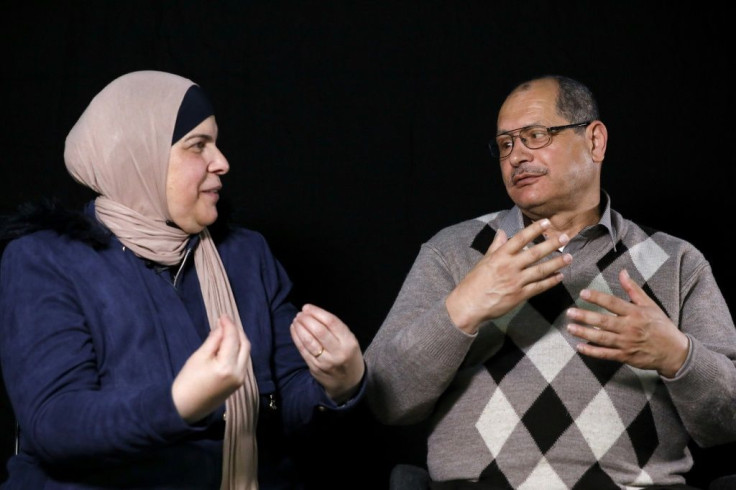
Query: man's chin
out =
(526, 197)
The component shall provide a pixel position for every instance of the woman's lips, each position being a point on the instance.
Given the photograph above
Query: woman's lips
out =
(213, 193)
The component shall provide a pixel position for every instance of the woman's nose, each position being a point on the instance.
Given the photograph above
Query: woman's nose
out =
(218, 163)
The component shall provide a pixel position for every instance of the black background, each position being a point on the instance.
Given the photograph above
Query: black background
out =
(357, 129)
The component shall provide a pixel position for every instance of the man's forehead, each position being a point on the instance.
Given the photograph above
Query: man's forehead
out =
(525, 109)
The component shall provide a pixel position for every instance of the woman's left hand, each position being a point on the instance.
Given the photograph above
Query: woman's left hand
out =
(331, 351)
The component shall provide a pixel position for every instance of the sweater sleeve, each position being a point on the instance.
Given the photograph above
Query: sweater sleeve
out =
(704, 390)
(417, 351)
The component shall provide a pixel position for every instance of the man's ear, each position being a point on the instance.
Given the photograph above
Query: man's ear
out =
(598, 139)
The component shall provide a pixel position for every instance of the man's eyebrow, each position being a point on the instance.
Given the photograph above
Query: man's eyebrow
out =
(505, 133)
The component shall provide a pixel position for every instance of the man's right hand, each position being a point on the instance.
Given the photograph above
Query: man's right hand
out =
(508, 274)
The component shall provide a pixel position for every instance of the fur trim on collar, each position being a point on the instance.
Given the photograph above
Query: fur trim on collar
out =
(49, 214)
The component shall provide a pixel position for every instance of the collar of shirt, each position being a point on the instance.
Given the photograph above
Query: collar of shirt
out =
(513, 222)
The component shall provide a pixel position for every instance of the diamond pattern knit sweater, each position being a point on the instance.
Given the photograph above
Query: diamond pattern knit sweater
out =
(516, 406)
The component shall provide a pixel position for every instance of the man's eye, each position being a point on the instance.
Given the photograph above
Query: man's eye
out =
(537, 134)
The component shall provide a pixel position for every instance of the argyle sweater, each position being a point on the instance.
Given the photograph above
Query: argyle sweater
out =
(516, 406)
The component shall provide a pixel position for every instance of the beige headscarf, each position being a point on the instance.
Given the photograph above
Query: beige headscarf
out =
(120, 147)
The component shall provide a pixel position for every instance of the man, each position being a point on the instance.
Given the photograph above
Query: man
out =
(556, 344)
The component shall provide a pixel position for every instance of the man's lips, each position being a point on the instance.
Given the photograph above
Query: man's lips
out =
(526, 174)
(525, 178)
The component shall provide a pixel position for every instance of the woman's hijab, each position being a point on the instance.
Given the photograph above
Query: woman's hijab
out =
(120, 148)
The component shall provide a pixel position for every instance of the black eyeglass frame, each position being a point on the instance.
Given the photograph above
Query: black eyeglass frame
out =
(553, 130)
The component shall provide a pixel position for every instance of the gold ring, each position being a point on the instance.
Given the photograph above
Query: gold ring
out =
(319, 353)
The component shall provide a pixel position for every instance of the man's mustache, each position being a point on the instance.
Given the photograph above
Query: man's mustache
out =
(527, 169)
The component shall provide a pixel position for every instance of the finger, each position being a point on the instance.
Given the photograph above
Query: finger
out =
(635, 292)
(307, 354)
(241, 345)
(614, 304)
(594, 319)
(535, 253)
(296, 338)
(498, 240)
(223, 320)
(244, 342)
(547, 268)
(312, 333)
(230, 326)
(533, 288)
(323, 325)
(293, 329)
(301, 332)
(527, 235)
(320, 314)
(211, 344)
(594, 335)
(599, 352)
(231, 341)
(238, 327)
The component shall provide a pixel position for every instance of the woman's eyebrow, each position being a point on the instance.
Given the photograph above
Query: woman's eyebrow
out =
(206, 136)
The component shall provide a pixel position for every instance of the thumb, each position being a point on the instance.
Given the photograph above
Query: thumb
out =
(212, 343)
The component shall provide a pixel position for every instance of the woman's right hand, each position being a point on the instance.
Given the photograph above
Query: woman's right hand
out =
(213, 372)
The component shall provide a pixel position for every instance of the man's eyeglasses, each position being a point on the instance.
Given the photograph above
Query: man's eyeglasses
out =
(533, 137)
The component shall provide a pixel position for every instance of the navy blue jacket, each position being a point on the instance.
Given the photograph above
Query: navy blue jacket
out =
(91, 338)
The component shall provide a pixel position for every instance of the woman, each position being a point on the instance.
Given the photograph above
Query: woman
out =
(141, 351)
